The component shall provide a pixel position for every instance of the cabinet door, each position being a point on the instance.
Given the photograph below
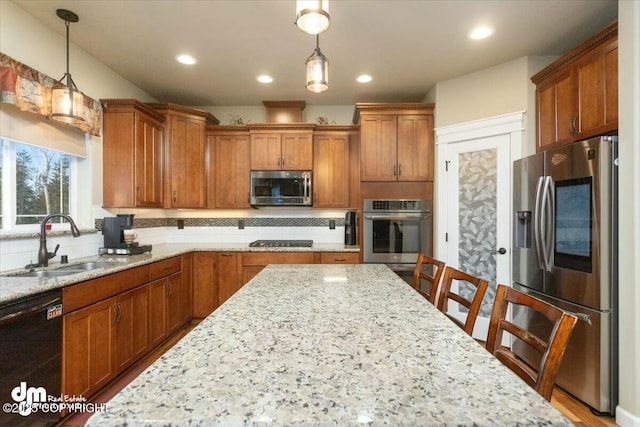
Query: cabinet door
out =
(148, 155)
(187, 163)
(205, 283)
(88, 348)
(597, 93)
(378, 145)
(557, 117)
(331, 171)
(415, 148)
(157, 311)
(297, 151)
(265, 151)
(232, 165)
(132, 326)
(339, 258)
(249, 273)
(186, 288)
(227, 276)
(173, 293)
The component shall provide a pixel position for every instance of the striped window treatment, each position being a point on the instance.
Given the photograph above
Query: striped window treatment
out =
(30, 90)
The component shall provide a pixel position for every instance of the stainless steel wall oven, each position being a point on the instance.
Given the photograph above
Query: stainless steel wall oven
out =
(395, 232)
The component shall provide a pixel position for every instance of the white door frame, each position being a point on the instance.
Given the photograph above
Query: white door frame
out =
(511, 125)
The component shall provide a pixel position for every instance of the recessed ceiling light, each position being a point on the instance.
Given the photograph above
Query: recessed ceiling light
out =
(265, 79)
(186, 59)
(479, 33)
(364, 78)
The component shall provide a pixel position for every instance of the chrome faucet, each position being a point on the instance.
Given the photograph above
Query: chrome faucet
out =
(43, 254)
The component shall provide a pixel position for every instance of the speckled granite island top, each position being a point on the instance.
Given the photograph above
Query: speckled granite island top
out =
(327, 345)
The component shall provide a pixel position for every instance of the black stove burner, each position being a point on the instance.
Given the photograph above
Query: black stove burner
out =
(281, 244)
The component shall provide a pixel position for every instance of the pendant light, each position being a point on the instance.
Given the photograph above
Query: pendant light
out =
(66, 99)
(317, 70)
(312, 16)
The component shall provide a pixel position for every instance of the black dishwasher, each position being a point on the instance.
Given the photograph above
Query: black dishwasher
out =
(30, 358)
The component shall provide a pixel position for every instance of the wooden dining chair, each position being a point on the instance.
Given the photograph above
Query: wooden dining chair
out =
(542, 378)
(427, 270)
(473, 305)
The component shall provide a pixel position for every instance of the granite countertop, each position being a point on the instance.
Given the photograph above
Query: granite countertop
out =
(327, 345)
(12, 287)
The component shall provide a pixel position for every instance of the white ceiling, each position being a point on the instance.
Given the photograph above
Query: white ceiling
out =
(407, 46)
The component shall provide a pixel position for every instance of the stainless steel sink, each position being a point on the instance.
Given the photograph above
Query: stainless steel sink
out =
(47, 273)
(86, 266)
(67, 270)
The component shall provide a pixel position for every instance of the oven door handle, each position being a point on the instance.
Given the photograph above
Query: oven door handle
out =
(396, 217)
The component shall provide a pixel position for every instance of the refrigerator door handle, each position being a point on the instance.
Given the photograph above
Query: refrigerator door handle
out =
(537, 231)
(544, 224)
(551, 222)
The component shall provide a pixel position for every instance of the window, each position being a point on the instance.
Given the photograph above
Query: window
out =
(34, 181)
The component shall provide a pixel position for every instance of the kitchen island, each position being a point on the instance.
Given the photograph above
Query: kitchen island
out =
(327, 344)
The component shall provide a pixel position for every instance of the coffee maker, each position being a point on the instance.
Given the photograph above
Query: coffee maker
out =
(350, 236)
(113, 231)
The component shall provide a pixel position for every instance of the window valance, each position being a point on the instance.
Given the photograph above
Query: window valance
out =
(30, 90)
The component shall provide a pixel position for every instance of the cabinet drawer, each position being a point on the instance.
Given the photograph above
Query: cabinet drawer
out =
(339, 258)
(91, 291)
(164, 268)
(265, 258)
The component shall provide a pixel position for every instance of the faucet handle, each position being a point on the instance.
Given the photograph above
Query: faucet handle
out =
(55, 251)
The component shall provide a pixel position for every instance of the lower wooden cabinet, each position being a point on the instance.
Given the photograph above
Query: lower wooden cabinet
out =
(88, 348)
(254, 262)
(164, 308)
(186, 288)
(131, 326)
(215, 279)
(339, 258)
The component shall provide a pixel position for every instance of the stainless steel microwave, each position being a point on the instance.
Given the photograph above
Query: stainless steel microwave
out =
(281, 188)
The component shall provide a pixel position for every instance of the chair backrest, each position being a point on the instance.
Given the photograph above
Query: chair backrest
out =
(473, 305)
(542, 378)
(431, 274)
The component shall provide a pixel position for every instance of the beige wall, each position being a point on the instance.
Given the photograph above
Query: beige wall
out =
(628, 413)
(502, 89)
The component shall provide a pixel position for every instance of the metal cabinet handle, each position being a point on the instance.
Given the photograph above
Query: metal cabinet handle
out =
(168, 288)
(226, 254)
(283, 160)
(339, 259)
(400, 169)
(500, 251)
(175, 196)
(572, 127)
(114, 309)
(395, 168)
(119, 315)
(279, 161)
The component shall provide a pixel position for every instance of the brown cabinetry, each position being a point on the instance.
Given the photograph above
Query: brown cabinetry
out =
(228, 167)
(164, 308)
(254, 262)
(331, 169)
(184, 155)
(396, 141)
(339, 258)
(89, 348)
(577, 95)
(281, 147)
(186, 288)
(131, 326)
(132, 154)
(114, 320)
(215, 280)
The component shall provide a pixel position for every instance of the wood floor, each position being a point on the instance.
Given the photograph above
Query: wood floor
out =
(573, 409)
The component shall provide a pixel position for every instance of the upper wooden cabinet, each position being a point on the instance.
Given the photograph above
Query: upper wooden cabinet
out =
(577, 95)
(331, 184)
(132, 154)
(228, 167)
(396, 141)
(184, 154)
(281, 146)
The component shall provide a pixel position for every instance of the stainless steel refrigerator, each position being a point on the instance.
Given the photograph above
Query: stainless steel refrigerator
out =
(565, 252)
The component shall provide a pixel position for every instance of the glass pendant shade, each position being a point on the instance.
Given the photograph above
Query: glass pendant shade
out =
(66, 100)
(66, 105)
(312, 16)
(317, 72)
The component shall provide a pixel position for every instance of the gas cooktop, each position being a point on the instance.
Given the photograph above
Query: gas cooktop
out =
(281, 244)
